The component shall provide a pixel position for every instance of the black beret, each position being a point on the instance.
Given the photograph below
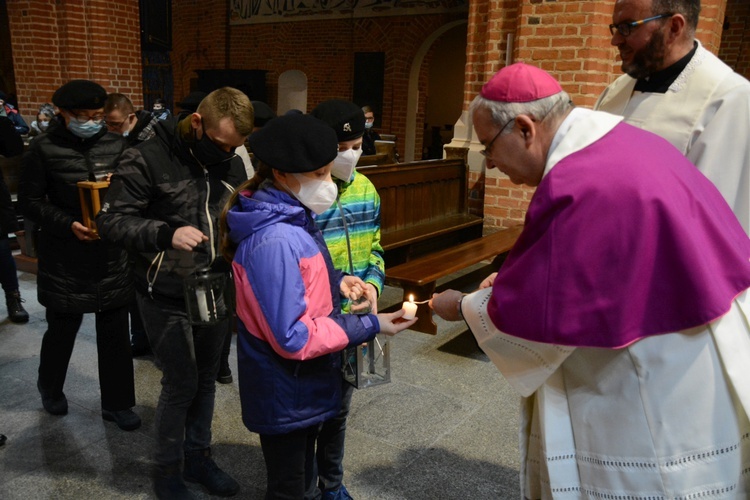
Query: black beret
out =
(295, 143)
(346, 118)
(80, 94)
(192, 100)
(263, 113)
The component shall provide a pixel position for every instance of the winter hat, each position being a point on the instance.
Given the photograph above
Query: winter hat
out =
(346, 118)
(295, 143)
(80, 94)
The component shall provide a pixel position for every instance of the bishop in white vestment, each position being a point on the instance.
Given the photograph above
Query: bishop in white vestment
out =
(621, 316)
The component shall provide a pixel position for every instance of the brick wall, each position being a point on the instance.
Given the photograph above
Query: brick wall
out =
(199, 40)
(324, 51)
(735, 41)
(59, 40)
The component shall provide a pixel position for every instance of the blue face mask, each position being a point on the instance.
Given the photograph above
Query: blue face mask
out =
(84, 130)
(368, 125)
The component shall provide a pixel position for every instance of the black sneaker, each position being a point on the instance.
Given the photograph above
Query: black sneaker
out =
(200, 468)
(16, 312)
(168, 484)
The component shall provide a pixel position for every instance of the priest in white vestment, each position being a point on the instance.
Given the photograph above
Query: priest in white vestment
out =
(621, 315)
(677, 89)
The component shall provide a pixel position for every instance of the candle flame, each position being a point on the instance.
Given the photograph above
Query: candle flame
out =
(411, 298)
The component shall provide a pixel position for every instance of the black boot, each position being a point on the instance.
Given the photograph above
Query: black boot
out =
(200, 468)
(16, 312)
(225, 374)
(168, 484)
(54, 404)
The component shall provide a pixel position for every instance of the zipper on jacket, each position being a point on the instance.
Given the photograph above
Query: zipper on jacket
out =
(160, 258)
(208, 215)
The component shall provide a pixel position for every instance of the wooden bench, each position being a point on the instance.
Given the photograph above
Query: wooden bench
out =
(424, 207)
(385, 154)
(418, 277)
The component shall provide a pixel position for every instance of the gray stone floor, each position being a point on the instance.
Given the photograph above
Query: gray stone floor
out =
(444, 428)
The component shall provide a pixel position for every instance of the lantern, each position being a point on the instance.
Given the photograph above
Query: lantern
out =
(202, 293)
(91, 194)
(368, 364)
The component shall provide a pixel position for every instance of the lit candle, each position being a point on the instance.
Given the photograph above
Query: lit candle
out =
(409, 308)
(202, 300)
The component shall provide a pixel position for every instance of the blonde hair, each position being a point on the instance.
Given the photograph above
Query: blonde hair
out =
(226, 246)
(228, 102)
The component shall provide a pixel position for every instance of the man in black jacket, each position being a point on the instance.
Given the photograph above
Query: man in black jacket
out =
(78, 272)
(121, 118)
(163, 204)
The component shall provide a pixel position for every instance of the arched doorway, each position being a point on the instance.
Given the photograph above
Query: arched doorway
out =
(443, 85)
(445, 91)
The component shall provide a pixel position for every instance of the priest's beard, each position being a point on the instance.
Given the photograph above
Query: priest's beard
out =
(647, 60)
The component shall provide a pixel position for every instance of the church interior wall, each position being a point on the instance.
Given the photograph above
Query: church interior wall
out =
(53, 41)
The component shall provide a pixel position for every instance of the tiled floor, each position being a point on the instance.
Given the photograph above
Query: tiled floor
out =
(444, 428)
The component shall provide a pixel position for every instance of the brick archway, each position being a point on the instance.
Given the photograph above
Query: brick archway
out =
(413, 97)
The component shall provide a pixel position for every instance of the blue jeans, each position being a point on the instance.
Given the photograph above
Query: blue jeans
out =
(330, 452)
(189, 358)
(8, 276)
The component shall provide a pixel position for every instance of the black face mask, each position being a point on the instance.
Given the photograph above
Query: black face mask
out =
(208, 153)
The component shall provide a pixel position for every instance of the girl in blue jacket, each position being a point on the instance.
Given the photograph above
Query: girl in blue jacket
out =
(291, 331)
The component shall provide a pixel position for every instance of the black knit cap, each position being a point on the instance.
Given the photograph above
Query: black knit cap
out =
(263, 113)
(346, 118)
(80, 94)
(295, 144)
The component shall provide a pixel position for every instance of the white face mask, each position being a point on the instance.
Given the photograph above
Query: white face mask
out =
(316, 194)
(343, 165)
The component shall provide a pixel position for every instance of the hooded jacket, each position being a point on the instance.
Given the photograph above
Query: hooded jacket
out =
(158, 187)
(74, 276)
(291, 332)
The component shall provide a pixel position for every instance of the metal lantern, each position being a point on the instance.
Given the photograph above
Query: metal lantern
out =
(368, 364)
(202, 293)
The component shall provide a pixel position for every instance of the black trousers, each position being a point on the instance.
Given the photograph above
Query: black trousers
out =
(290, 464)
(113, 350)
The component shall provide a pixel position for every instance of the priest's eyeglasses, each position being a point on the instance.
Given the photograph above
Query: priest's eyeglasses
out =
(625, 29)
(486, 151)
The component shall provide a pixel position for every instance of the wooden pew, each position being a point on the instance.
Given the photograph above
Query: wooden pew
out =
(385, 153)
(427, 231)
(424, 207)
(418, 277)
